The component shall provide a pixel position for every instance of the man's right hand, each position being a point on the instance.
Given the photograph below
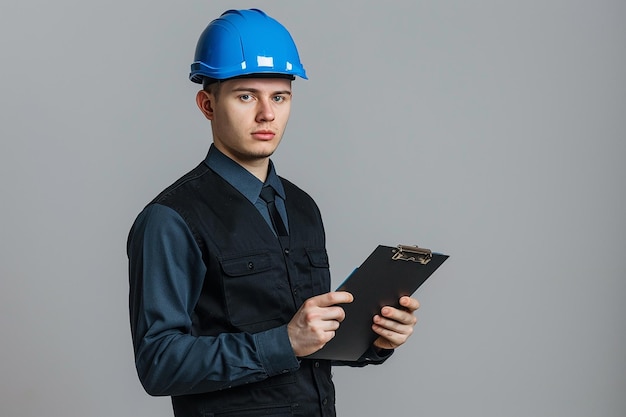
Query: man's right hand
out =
(315, 323)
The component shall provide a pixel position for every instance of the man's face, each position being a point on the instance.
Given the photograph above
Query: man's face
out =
(249, 117)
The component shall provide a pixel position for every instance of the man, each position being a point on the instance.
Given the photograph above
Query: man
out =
(229, 275)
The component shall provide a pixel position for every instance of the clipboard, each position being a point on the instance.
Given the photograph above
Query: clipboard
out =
(385, 276)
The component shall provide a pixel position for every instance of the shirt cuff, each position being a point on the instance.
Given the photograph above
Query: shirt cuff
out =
(374, 355)
(275, 351)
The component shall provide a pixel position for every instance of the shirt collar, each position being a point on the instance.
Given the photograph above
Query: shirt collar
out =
(240, 178)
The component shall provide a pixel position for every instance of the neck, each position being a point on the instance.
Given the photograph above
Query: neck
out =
(256, 167)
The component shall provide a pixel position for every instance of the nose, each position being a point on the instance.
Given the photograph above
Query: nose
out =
(265, 111)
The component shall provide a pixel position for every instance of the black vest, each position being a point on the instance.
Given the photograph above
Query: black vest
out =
(254, 282)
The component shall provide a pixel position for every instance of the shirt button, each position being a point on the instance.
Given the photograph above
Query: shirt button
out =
(316, 364)
(250, 265)
(286, 251)
(325, 401)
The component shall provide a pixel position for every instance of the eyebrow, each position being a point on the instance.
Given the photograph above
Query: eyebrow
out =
(256, 90)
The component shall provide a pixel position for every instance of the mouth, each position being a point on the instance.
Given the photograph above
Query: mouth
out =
(263, 134)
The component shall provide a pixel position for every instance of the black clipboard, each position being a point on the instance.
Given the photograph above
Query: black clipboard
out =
(385, 276)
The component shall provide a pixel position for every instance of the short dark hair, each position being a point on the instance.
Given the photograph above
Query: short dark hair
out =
(212, 86)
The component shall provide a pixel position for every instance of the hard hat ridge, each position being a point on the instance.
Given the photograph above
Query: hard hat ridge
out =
(245, 42)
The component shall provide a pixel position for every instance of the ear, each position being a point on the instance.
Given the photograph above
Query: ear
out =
(205, 100)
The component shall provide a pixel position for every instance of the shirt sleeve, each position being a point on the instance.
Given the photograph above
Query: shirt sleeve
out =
(166, 273)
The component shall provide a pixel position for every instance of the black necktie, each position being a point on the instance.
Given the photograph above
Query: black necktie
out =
(267, 194)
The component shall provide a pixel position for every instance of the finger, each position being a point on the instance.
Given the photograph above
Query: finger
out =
(389, 342)
(403, 327)
(401, 316)
(334, 313)
(409, 303)
(325, 325)
(340, 297)
(331, 298)
(333, 325)
(392, 336)
(395, 326)
(390, 339)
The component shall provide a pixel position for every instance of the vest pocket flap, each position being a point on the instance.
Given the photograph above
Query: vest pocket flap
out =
(247, 264)
(318, 257)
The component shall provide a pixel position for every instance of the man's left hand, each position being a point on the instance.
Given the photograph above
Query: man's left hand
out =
(395, 325)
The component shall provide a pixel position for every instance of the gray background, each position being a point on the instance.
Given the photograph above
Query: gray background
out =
(490, 130)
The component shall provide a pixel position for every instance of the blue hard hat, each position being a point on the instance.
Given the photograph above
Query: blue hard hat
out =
(244, 42)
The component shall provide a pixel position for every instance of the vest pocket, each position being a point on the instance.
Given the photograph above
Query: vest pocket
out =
(247, 264)
(255, 293)
(318, 257)
(319, 270)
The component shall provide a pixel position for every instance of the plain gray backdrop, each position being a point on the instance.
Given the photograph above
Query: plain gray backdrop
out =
(492, 131)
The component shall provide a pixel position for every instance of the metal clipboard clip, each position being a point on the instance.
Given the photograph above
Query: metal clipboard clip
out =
(412, 254)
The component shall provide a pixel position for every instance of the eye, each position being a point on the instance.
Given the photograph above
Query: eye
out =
(245, 97)
(278, 99)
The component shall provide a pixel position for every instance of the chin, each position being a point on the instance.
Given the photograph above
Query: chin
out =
(264, 151)
(255, 155)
